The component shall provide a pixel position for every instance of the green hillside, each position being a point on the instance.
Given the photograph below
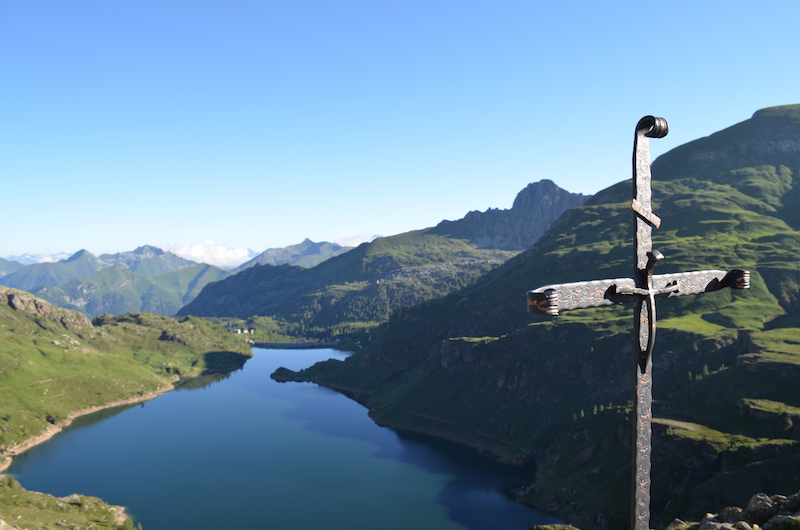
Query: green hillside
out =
(352, 292)
(114, 290)
(475, 368)
(79, 265)
(29, 509)
(7, 267)
(189, 281)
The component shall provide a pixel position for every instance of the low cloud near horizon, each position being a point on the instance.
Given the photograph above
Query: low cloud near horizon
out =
(354, 241)
(212, 253)
(229, 258)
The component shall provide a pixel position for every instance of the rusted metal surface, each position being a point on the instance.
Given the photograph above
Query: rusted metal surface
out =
(642, 290)
(554, 299)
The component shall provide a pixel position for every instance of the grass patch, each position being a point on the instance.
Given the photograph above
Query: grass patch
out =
(27, 509)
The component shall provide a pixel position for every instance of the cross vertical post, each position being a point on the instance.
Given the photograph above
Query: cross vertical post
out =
(642, 290)
(644, 315)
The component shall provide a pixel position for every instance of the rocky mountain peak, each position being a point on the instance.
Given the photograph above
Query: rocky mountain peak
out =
(148, 251)
(534, 210)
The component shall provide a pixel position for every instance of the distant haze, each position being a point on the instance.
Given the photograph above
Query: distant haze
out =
(206, 251)
(215, 254)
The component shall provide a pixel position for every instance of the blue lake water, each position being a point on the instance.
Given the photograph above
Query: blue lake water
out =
(243, 451)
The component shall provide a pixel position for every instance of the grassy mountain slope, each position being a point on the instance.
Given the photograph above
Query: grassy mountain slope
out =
(79, 265)
(189, 281)
(55, 362)
(7, 267)
(351, 292)
(114, 290)
(475, 368)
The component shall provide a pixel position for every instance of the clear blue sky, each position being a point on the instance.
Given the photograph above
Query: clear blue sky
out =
(258, 123)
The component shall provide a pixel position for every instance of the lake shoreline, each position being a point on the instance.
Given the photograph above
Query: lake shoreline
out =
(9, 453)
(296, 345)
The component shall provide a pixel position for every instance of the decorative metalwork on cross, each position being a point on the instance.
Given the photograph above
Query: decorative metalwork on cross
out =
(642, 290)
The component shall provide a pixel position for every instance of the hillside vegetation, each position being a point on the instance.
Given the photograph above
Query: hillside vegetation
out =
(352, 292)
(21, 509)
(475, 368)
(359, 290)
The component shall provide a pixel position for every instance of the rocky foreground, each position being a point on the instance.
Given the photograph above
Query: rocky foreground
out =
(777, 512)
(770, 513)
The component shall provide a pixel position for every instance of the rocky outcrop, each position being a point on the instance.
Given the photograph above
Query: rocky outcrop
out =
(44, 314)
(534, 210)
(777, 512)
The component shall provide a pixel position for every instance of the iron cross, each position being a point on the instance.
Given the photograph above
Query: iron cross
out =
(641, 290)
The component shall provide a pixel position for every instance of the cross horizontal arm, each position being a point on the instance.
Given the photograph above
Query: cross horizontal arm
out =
(701, 281)
(553, 299)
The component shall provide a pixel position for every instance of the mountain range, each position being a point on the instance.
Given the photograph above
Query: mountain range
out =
(146, 261)
(359, 289)
(146, 279)
(475, 368)
(365, 287)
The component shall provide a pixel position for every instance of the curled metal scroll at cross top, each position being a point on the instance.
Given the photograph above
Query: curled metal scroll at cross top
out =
(642, 290)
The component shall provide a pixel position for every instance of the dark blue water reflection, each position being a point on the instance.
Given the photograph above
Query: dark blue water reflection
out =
(246, 452)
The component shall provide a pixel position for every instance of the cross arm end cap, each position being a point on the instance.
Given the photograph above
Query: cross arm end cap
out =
(543, 302)
(737, 279)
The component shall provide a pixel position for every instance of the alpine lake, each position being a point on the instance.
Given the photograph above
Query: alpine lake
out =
(243, 451)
